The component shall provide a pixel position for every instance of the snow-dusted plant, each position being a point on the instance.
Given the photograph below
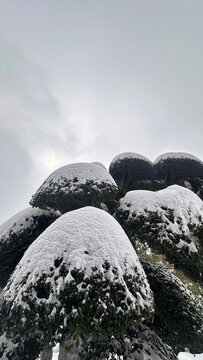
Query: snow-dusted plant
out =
(17, 233)
(138, 343)
(175, 166)
(179, 314)
(131, 171)
(98, 164)
(73, 186)
(80, 276)
(170, 220)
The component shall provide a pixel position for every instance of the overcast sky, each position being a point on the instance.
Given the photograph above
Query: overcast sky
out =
(83, 80)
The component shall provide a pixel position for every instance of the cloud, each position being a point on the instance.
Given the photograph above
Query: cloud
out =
(16, 169)
(34, 135)
(29, 106)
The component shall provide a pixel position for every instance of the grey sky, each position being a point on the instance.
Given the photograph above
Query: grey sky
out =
(83, 80)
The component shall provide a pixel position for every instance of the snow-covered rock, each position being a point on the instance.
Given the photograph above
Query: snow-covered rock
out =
(80, 273)
(17, 233)
(75, 185)
(179, 314)
(171, 220)
(131, 171)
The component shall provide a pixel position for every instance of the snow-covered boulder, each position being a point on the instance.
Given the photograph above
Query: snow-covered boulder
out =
(81, 274)
(73, 186)
(179, 314)
(175, 166)
(17, 233)
(98, 164)
(140, 343)
(170, 220)
(131, 171)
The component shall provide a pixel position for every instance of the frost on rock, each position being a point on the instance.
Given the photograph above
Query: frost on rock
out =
(179, 314)
(176, 168)
(170, 220)
(131, 171)
(17, 233)
(73, 186)
(81, 274)
(140, 343)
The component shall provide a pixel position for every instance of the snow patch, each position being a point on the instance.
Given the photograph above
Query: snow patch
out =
(77, 174)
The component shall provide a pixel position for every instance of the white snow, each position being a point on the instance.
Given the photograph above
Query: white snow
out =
(129, 155)
(82, 171)
(188, 356)
(184, 204)
(176, 155)
(8, 344)
(85, 238)
(98, 164)
(21, 221)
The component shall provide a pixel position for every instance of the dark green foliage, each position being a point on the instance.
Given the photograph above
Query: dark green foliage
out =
(88, 305)
(151, 228)
(14, 243)
(132, 173)
(139, 342)
(173, 169)
(61, 196)
(26, 349)
(178, 315)
(193, 183)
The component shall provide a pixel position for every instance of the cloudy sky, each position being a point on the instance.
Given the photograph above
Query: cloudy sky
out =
(83, 80)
